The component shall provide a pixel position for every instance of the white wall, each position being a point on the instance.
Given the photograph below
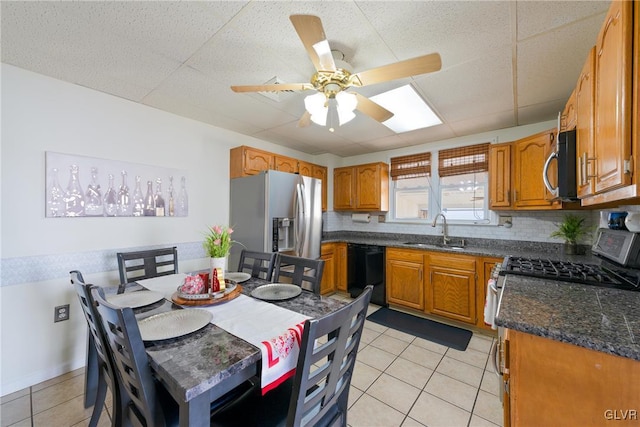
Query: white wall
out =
(43, 114)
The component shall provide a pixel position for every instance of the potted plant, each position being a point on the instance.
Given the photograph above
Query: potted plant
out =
(217, 244)
(571, 229)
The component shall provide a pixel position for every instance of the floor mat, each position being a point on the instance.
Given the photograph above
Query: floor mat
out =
(440, 333)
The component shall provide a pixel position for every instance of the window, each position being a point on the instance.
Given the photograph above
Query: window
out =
(410, 175)
(464, 182)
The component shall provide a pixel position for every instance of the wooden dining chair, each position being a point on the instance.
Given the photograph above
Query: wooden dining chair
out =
(304, 272)
(99, 373)
(140, 265)
(149, 404)
(258, 264)
(318, 393)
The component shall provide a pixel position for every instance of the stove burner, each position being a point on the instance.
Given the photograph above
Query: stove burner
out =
(588, 274)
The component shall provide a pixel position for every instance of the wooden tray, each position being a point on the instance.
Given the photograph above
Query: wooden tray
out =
(209, 301)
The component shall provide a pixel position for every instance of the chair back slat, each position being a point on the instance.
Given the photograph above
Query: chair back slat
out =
(258, 264)
(131, 361)
(325, 365)
(140, 265)
(304, 272)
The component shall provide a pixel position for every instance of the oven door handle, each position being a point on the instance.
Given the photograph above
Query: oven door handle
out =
(495, 354)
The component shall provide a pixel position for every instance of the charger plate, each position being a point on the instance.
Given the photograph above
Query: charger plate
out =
(276, 291)
(173, 324)
(237, 276)
(135, 299)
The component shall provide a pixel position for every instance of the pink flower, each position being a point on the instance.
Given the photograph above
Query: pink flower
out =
(230, 230)
(216, 242)
(217, 229)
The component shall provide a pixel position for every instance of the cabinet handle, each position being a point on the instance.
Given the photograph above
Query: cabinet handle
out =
(585, 162)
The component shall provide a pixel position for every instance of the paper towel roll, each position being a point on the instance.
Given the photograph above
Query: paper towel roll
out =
(360, 217)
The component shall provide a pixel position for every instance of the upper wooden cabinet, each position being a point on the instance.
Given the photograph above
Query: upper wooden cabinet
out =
(285, 164)
(245, 161)
(361, 188)
(613, 98)
(529, 156)
(585, 105)
(500, 176)
(515, 174)
(569, 115)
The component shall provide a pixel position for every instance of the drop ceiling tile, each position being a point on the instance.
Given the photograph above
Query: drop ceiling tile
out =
(540, 112)
(480, 86)
(486, 123)
(559, 13)
(549, 65)
(433, 133)
(459, 30)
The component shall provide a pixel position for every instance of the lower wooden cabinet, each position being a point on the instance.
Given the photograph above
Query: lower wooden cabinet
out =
(404, 278)
(439, 283)
(555, 383)
(334, 277)
(451, 288)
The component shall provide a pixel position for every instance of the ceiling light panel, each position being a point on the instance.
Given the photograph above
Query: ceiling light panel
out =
(410, 112)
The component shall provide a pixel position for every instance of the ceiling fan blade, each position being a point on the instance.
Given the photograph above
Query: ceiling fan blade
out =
(399, 70)
(305, 120)
(370, 108)
(273, 87)
(310, 31)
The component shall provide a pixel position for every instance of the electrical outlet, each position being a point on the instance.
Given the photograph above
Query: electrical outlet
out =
(382, 218)
(61, 313)
(505, 221)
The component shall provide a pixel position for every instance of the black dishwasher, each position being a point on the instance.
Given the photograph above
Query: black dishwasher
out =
(365, 266)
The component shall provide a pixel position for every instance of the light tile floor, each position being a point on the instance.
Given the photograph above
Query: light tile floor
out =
(399, 380)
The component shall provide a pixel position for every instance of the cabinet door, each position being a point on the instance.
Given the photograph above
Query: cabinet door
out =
(568, 117)
(368, 187)
(500, 176)
(529, 157)
(343, 189)
(328, 283)
(451, 291)
(588, 387)
(404, 278)
(256, 161)
(485, 265)
(613, 98)
(305, 168)
(341, 266)
(584, 126)
(286, 164)
(320, 172)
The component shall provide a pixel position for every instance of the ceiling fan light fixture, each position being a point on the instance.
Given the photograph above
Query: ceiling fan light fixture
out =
(316, 105)
(346, 103)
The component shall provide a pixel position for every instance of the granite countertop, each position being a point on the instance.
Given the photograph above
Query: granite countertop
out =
(600, 319)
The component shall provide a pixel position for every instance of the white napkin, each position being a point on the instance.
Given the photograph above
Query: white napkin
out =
(166, 285)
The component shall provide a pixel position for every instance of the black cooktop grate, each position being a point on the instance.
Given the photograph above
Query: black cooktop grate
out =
(566, 271)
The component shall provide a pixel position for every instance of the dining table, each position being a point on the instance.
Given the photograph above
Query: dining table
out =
(202, 366)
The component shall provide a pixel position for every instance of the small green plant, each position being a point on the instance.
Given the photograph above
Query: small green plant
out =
(571, 229)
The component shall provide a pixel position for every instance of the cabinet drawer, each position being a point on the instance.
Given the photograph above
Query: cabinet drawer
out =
(460, 262)
(405, 255)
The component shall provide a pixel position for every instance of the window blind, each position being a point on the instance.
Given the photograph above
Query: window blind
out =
(463, 160)
(412, 166)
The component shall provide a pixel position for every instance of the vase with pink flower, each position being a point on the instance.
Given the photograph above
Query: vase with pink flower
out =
(217, 244)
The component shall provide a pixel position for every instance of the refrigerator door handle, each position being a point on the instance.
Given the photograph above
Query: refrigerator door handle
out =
(299, 225)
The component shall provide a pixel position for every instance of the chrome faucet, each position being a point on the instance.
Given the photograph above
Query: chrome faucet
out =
(445, 238)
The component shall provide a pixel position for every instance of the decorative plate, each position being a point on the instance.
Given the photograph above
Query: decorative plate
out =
(276, 291)
(173, 324)
(134, 299)
(237, 276)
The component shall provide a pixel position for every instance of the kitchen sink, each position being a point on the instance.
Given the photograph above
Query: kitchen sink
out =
(439, 245)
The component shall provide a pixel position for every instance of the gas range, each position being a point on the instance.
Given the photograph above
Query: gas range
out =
(566, 271)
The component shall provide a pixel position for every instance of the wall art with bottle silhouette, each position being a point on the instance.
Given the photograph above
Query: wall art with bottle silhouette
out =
(80, 186)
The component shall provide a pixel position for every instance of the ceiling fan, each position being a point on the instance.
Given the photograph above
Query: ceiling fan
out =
(331, 83)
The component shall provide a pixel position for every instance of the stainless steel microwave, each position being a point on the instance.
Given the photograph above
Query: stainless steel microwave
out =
(565, 155)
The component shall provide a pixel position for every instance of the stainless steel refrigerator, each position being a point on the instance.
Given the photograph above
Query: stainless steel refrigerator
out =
(276, 212)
